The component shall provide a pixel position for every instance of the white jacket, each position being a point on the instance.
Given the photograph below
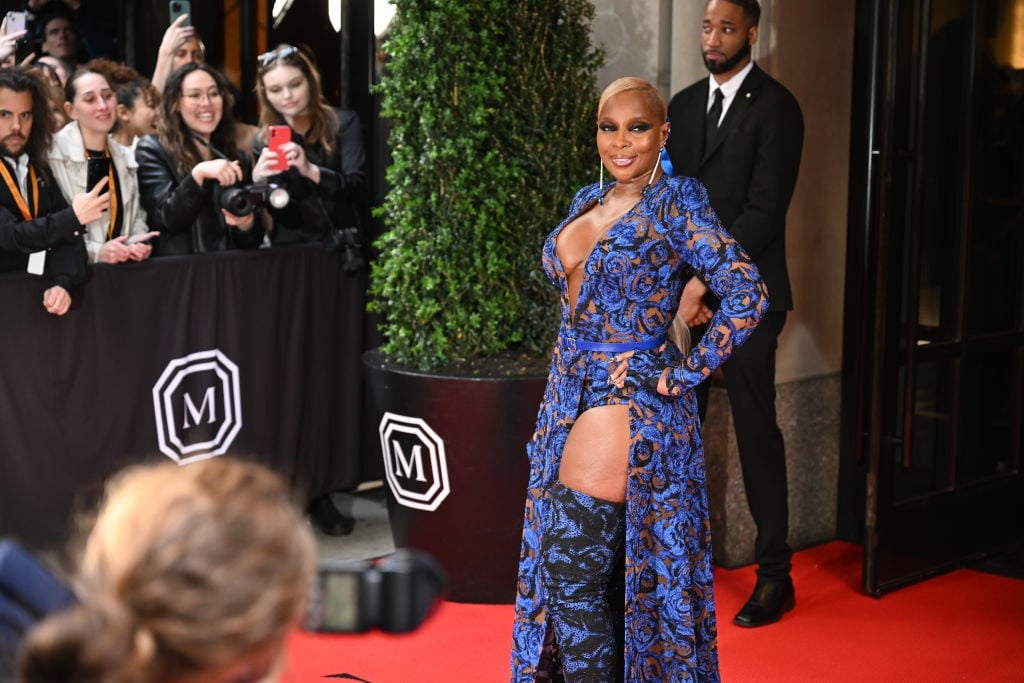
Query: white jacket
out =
(69, 166)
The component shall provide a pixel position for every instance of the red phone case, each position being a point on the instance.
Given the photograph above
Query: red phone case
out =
(279, 135)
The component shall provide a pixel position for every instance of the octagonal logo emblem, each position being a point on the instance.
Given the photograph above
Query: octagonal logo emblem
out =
(414, 461)
(198, 406)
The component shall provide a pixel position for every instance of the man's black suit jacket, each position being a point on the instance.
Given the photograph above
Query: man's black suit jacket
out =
(55, 229)
(750, 168)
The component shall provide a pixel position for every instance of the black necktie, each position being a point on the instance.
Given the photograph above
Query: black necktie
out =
(711, 123)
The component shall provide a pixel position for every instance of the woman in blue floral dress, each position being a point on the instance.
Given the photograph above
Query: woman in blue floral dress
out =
(617, 487)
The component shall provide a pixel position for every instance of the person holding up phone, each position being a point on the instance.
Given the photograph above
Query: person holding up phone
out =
(321, 152)
(184, 169)
(12, 30)
(82, 155)
(38, 230)
(183, 44)
(180, 45)
(320, 159)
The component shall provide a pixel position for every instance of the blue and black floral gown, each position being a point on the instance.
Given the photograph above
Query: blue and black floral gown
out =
(630, 291)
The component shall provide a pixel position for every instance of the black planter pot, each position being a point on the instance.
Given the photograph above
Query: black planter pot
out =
(456, 470)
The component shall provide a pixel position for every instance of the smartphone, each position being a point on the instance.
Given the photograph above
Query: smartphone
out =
(179, 7)
(277, 136)
(99, 168)
(16, 21)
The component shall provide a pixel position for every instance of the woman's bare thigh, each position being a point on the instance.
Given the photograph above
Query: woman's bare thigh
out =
(595, 459)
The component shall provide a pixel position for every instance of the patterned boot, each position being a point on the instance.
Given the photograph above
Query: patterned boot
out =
(581, 547)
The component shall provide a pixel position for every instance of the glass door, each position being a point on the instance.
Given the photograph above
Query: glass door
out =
(935, 304)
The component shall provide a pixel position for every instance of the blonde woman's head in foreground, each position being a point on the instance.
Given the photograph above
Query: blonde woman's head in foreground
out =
(193, 573)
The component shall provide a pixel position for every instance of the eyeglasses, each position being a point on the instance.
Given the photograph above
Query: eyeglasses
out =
(268, 58)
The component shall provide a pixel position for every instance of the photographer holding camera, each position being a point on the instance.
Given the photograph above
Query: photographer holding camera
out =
(187, 170)
(320, 158)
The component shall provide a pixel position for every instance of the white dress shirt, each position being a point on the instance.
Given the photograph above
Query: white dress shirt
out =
(729, 89)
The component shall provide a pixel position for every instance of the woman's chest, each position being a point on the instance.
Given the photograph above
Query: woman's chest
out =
(630, 247)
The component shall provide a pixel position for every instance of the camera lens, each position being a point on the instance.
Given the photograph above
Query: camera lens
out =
(237, 200)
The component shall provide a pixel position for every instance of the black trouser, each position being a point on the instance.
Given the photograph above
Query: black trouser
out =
(750, 380)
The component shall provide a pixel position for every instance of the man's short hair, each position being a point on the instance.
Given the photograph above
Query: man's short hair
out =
(20, 79)
(751, 10)
(53, 10)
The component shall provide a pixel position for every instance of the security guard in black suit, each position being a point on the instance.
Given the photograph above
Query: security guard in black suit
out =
(740, 132)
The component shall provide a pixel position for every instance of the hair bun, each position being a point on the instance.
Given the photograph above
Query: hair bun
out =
(97, 640)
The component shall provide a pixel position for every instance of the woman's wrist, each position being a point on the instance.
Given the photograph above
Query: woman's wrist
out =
(313, 173)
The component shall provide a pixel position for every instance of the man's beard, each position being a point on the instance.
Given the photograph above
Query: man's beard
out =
(8, 151)
(728, 63)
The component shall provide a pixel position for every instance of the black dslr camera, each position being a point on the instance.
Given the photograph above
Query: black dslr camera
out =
(395, 593)
(241, 200)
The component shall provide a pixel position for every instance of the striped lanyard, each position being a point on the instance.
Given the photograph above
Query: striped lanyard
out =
(12, 185)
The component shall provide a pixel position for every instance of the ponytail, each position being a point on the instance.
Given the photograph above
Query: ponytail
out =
(93, 642)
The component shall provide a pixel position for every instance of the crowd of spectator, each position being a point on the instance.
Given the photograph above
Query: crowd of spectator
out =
(103, 164)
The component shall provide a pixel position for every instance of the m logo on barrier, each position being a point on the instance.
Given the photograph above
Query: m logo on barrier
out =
(197, 415)
(414, 461)
(198, 406)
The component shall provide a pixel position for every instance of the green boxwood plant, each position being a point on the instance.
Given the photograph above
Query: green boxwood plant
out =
(491, 107)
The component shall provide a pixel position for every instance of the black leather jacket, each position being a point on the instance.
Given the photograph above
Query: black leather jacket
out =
(184, 212)
(337, 201)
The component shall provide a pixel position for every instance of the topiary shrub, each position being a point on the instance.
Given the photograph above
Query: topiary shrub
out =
(491, 107)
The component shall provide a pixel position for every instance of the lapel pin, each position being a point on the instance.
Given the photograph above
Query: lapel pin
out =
(748, 96)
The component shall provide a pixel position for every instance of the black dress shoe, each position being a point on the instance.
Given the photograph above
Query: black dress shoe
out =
(326, 517)
(767, 605)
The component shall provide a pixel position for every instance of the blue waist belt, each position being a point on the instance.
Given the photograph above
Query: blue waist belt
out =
(572, 345)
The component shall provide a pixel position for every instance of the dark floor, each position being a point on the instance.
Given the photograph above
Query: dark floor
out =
(1008, 561)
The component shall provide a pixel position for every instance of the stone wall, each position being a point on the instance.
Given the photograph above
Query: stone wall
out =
(808, 412)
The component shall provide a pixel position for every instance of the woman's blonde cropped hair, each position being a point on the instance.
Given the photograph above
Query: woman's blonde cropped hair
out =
(186, 570)
(654, 98)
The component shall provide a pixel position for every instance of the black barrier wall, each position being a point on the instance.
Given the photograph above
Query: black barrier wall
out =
(251, 353)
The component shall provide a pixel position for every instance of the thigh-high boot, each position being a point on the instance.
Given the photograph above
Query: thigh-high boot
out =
(584, 539)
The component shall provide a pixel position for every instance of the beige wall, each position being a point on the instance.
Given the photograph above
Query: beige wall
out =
(630, 35)
(660, 40)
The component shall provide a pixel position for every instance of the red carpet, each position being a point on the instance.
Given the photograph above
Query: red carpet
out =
(962, 626)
